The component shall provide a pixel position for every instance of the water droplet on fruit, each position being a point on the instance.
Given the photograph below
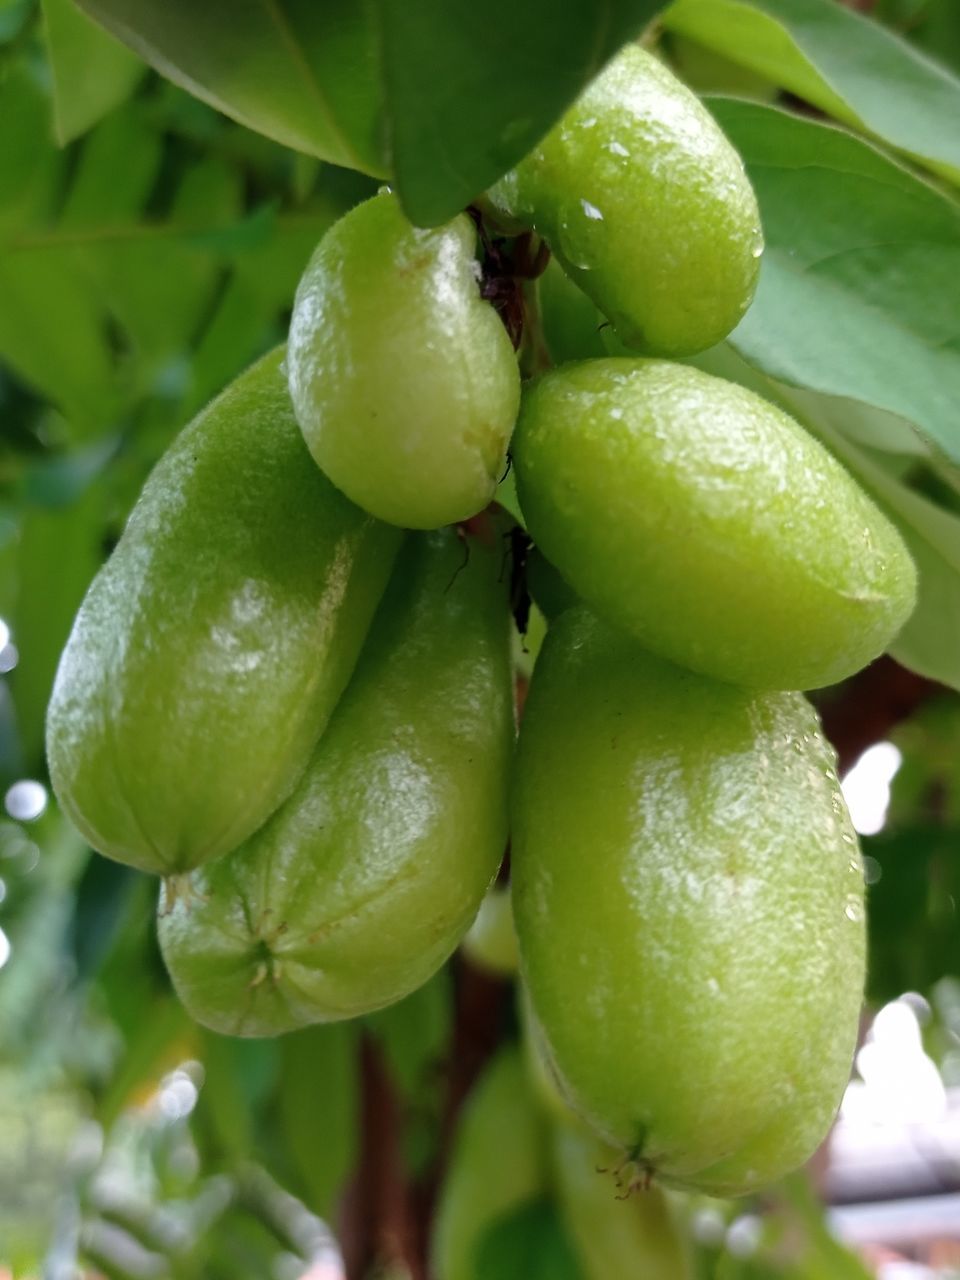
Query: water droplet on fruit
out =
(854, 909)
(591, 211)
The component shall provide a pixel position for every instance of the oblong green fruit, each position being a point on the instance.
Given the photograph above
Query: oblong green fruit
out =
(213, 645)
(708, 523)
(404, 379)
(647, 206)
(498, 1163)
(688, 896)
(619, 1234)
(365, 881)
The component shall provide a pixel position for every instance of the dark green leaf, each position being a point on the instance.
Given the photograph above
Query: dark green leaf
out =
(92, 72)
(913, 909)
(442, 96)
(529, 1244)
(414, 1032)
(319, 1108)
(59, 552)
(472, 87)
(841, 61)
(851, 299)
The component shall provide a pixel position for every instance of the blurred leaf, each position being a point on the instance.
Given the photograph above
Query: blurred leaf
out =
(935, 26)
(851, 299)
(240, 1076)
(319, 1108)
(60, 551)
(498, 1166)
(840, 61)
(162, 1026)
(27, 165)
(529, 1244)
(104, 895)
(92, 72)
(913, 909)
(359, 85)
(414, 1032)
(13, 17)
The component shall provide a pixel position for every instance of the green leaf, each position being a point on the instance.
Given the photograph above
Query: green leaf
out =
(854, 298)
(471, 88)
(442, 96)
(303, 73)
(238, 1077)
(92, 72)
(912, 909)
(414, 1032)
(319, 1107)
(529, 1244)
(59, 552)
(840, 61)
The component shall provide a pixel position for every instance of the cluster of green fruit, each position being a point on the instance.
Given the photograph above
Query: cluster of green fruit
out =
(303, 718)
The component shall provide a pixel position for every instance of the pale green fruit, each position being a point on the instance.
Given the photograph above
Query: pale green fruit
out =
(688, 895)
(708, 523)
(213, 645)
(498, 1164)
(364, 882)
(491, 941)
(404, 379)
(648, 207)
(619, 1233)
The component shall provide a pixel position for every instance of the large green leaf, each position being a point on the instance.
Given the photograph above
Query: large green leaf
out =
(92, 72)
(319, 1106)
(855, 296)
(441, 96)
(472, 87)
(847, 65)
(303, 73)
(528, 1244)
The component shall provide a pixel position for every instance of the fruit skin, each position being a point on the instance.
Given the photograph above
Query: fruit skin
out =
(708, 523)
(499, 1162)
(404, 379)
(212, 647)
(688, 896)
(647, 206)
(618, 1236)
(364, 882)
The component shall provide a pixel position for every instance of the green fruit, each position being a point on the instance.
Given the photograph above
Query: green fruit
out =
(618, 1236)
(364, 882)
(498, 1164)
(212, 647)
(688, 895)
(491, 941)
(404, 379)
(708, 523)
(647, 206)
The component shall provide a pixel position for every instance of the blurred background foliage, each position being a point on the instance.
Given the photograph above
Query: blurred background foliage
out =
(149, 250)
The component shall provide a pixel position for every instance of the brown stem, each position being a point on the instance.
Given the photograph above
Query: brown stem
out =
(377, 1226)
(867, 707)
